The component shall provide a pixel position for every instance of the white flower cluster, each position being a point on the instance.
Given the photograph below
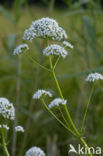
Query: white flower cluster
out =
(29, 34)
(19, 129)
(67, 44)
(4, 126)
(35, 151)
(94, 76)
(57, 102)
(55, 49)
(45, 27)
(40, 93)
(19, 49)
(7, 109)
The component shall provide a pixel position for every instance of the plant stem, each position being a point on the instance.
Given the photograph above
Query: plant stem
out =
(17, 102)
(66, 110)
(86, 110)
(85, 145)
(57, 118)
(51, 66)
(56, 62)
(4, 144)
(5, 149)
(34, 61)
(61, 95)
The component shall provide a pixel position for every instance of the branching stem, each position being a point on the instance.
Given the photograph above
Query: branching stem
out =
(86, 110)
(56, 62)
(66, 110)
(75, 132)
(34, 61)
(57, 118)
(51, 66)
(3, 142)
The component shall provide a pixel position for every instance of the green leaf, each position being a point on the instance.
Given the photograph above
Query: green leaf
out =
(11, 42)
(17, 8)
(81, 11)
(91, 31)
(4, 12)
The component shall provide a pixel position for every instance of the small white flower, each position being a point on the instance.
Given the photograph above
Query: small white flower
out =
(19, 49)
(67, 44)
(7, 109)
(57, 102)
(35, 151)
(55, 49)
(45, 27)
(29, 34)
(4, 126)
(94, 76)
(19, 129)
(41, 92)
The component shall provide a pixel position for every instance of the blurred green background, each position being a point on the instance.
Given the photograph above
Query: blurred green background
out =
(19, 78)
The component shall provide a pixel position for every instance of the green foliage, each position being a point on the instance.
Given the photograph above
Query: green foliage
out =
(84, 28)
(4, 12)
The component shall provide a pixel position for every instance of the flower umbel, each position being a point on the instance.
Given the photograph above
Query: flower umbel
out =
(4, 126)
(19, 129)
(19, 49)
(45, 28)
(67, 44)
(35, 151)
(57, 102)
(29, 34)
(94, 76)
(7, 109)
(40, 93)
(55, 49)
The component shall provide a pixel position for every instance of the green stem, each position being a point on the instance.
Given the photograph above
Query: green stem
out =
(51, 66)
(6, 151)
(66, 109)
(56, 62)
(54, 76)
(4, 144)
(86, 146)
(86, 110)
(34, 61)
(57, 118)
(63, 117)
(61, 95)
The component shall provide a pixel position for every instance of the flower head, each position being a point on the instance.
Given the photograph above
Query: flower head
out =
(7, 109)
(4, 126)
(94, 76)
(29, 34)
(67, 44)
(19, 49)
(19, 129)
(35, 151)
(43, 28)
(55, 49)
(40, 93)
(57, 102)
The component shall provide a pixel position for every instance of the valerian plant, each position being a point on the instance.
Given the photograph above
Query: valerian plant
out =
(48, 29)
(7, 114)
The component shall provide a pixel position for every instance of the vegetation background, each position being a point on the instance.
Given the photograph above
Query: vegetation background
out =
(19, 78)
